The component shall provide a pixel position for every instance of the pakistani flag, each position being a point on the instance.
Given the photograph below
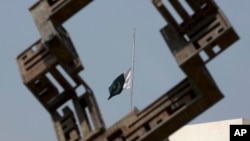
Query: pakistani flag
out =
(123, 81)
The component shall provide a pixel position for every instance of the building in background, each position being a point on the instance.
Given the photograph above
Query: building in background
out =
(211, 131)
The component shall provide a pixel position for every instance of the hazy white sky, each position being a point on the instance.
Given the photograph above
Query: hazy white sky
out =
(102, 35)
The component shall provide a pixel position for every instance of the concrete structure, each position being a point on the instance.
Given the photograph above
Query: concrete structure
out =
(211, 131)
(48, 65)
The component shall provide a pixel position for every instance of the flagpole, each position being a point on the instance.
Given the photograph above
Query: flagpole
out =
(132, 70)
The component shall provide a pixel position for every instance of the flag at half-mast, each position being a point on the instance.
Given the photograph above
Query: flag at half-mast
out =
(123, 81)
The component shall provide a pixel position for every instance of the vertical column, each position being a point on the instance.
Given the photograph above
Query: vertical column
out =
(181, 11)
(83, 118)
(65, 126)
(166, 14)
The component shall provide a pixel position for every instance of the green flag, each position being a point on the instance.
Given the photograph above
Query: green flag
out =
(123, 81)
